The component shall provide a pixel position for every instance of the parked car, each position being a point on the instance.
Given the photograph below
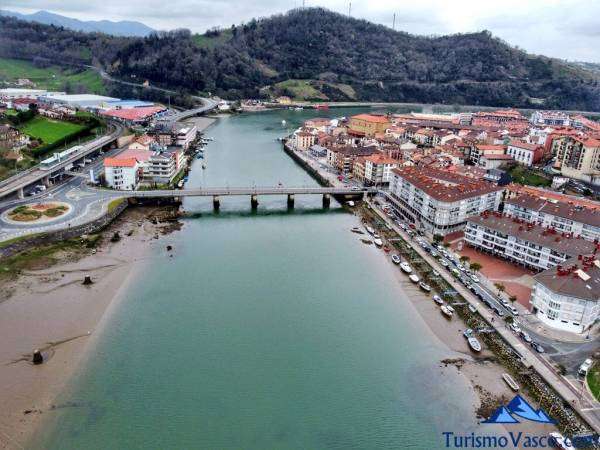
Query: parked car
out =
(585, 366)
(514, 327)
(513, 310)
(525, 337)
(537, 347)
(474, 278)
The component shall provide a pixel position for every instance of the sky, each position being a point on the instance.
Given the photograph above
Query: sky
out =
(565, 29)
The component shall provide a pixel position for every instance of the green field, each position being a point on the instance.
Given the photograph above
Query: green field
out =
(53, 77)
(48, 130)
(593, 380)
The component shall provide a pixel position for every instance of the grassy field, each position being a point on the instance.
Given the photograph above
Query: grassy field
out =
(48, 130)
(593, 380)
(301, 89)
(52, 78)
(528, 177)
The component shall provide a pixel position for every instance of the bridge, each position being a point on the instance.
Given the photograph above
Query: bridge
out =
(207, 105)
(340, 193)
(36, 174)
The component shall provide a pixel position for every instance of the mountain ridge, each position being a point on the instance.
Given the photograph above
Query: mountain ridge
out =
(324, 56)
(116, 28)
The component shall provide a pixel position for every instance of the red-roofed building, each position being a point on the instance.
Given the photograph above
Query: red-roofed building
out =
(441, 201)
(578, 157)
(368, 124)
(525, 153)
(378, 169)
(122, 173)
(135, 115)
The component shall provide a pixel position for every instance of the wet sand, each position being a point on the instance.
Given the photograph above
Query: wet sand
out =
(51, 310)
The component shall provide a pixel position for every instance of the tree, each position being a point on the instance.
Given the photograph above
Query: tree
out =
(509, 319)
(463, 259)
(446, 244)
(437, 238)
(476, 267)
(501, 288)
(512, 298)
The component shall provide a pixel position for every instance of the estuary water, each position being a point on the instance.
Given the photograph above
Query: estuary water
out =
(273, 329)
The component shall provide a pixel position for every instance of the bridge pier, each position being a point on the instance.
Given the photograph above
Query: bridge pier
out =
(46, 181)
(326, 200)
(21, 193)
(290, 201)
(216, 202)
(254, 201)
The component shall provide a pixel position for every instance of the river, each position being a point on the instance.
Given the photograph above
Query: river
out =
(267, 330)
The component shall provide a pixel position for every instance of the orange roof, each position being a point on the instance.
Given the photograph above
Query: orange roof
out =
(134, 113)
(371, 118)
(120, 162)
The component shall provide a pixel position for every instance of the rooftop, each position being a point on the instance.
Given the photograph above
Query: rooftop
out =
(524, 145)
(578, 278)
(371, 118)
(567, 210)
(445, 186)
(560, 242)
(120, 162)
(134, 114)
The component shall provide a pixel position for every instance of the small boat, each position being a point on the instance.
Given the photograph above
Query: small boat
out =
(376, 236)
(366, 241)
(474, 344)
(414, 278)
(446, 311)
(283, 123)
(180, 184)
(378, 242)
(370, 230)
(350, 203)
(396, 259)
(199, 156)
(204, 166)
(425, 286)
(468, 333)
(438, 299)
(386, 249)
(510, 381)
(357, 230)
(298, 108)
(405, 267)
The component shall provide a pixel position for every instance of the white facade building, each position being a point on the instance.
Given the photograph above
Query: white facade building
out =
(440, 201)
(122, 173)
(562, 216)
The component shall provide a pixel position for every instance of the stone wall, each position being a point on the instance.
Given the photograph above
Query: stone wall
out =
(61, 235)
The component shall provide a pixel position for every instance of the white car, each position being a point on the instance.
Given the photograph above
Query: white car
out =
(475, 279)
(513, 310)
(585, 366)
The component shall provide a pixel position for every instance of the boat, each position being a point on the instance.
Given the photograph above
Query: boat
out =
(298, 108)
(510, 381)
(438, 299)
(357, 230)
(425, 286)
(446, 311)
(204, 166)
(414, 278)
(370, 230)
(474, 344)
(468, 333)
(350, 203)
(180, 184)
(378, 242)
(386, 249)
(405, 267)
(396, 259)
(376, 236)
(367, 241)
(283, 123)
(199, 156)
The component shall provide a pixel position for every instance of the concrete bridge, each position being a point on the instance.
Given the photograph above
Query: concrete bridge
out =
(339, 193)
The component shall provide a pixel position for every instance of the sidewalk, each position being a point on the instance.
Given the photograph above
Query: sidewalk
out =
(567, 391)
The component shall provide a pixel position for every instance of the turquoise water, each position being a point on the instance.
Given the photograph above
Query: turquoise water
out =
(267, 330)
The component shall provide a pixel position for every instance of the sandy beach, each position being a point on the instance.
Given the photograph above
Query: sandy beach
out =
(51, 310)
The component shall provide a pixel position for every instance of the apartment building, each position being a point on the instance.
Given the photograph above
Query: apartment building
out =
(550, 118)
(368, 124)
(523, 243)
(566, 297)
(441, 201)
(480, 150)
(525, 153)
(378, 169)
(562, 216)
(303, 140)
(185, 135)
(122, 173)
(578, 157)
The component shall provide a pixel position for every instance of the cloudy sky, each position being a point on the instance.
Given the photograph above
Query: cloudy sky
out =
(566, 29)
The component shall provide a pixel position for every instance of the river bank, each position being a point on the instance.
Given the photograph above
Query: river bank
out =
(48, 308)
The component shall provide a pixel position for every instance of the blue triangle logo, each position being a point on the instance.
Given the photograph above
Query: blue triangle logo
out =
(501, 415)
(518, 406)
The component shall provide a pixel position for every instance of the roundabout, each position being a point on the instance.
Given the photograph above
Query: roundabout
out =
(36, 213)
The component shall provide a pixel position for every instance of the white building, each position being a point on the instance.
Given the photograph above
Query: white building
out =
(184, 136)
(11, 93)
(378, 169)
(551, 118)
(567, 297)
(122, 173)
(523, 243)
(78, 100)
(561, 216)
(525, 153)
(441, 201)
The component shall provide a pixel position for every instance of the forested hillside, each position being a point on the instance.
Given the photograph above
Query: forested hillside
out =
(314, 53)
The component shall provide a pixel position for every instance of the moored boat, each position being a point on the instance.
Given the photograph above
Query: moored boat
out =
(378, 242)
(474, 344)
(396, 259)
(357, 230)
(366, 241)
(386, 249)
(370, 230)
(510, 382)
(425, 286)
(438, 299)
(405, 267)
(414, 278)
(350, 203)
(447, 311)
